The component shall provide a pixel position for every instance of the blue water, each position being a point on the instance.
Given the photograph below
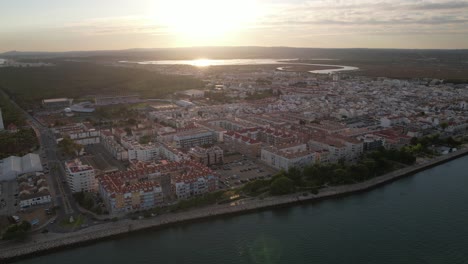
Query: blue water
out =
(419, 219)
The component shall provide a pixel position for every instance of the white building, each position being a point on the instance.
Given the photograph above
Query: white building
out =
(115, 149)
(13, 166)
(145, 152)
(80, 177)
(2, 127)
(80, 133)
(170, 153)
(194, 93)
(285, 158)
(33, 190)
(195, 179)
(345, 148)
(392, 121)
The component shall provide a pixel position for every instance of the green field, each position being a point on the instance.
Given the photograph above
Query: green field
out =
(28, 86)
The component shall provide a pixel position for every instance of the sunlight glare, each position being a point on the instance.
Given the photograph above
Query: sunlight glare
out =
(200, 19)
(201, 62)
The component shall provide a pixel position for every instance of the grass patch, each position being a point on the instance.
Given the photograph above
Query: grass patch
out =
(79, 220)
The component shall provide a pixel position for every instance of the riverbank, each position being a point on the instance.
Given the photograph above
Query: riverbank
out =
(43, 243)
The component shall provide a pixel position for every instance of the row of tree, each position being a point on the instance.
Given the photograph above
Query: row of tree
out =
(10, 113)
(315, 176)
(19, 143)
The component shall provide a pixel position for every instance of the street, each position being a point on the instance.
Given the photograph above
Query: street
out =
(54, 169)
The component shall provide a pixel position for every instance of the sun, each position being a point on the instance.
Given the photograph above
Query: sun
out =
(204, 19)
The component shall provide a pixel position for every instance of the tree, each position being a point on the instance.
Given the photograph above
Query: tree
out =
(145, 139)
(444, 125)
(295, 174)
(25, 225)
(128, 130)
(282, 185)
(17, 231)
(69, 146)
(132, 121)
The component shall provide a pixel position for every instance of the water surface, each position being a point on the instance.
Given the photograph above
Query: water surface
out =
(419, 219)
(239, 62)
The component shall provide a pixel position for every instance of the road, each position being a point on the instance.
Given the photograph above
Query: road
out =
(63, 196)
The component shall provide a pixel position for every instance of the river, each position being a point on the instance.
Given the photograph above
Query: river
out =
(239, 62)
(418, 219)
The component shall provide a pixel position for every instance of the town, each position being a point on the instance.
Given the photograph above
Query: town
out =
(119, 156)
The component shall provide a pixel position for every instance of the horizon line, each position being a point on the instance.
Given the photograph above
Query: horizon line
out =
(194, 47)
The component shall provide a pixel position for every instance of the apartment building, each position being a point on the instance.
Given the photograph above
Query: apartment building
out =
(141, 152)
(114, 148)
(207, 156)
(80, 177)
(129, 191)
(284, 158)
(193, 137)
(80, 133)
(236, 142)
(339, 148)
(193, 179)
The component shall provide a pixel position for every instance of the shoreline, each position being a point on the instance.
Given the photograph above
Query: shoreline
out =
(42, 244)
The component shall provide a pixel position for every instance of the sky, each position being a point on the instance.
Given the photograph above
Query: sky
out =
(66, 25)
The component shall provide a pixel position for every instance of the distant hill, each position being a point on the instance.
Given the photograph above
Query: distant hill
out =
(241, 53)
(395, 63)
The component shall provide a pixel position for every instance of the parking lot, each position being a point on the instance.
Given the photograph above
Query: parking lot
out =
(8, 197)
(238, 170)
(98, 157)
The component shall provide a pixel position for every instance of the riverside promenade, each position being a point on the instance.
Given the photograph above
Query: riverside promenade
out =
(44, 243)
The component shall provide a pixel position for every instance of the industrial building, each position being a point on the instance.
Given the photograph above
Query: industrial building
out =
(13, 166)
(110, 100)
(57, 102)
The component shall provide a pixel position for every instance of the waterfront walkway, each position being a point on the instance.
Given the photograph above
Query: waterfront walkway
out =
(41, 243)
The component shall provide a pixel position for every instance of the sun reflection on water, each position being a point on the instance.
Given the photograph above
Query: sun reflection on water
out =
(202, 62)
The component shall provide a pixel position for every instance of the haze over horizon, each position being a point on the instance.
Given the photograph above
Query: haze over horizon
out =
(53, 25)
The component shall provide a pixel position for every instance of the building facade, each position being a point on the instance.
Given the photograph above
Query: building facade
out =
(130, 191)
(33, 190)
(207, 156)
(80, 177)
(192, 138)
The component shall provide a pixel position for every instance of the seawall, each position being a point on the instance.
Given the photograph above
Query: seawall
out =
(46, 243)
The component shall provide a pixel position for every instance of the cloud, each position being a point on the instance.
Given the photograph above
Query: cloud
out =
(393, 17)
(116, 26)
